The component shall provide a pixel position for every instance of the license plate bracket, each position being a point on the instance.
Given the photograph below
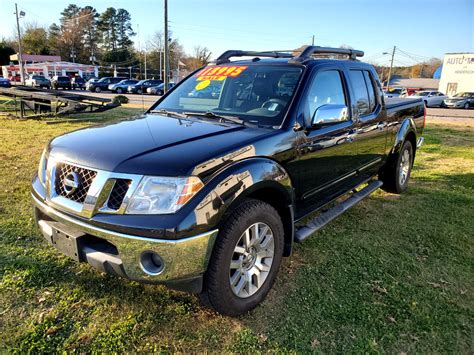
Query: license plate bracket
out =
(66, 241)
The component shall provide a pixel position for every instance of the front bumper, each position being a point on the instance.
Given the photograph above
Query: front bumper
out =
(184, 260)
(454, 104)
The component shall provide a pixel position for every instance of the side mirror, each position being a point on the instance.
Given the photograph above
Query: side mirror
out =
(329, 114)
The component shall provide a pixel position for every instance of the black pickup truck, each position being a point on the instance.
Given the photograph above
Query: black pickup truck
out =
(206, 194)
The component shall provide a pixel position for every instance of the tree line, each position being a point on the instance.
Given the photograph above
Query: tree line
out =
(86, 36)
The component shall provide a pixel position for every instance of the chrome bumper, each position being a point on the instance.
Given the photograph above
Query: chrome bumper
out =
(182, 259)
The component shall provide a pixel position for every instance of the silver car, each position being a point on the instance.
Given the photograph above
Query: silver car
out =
(460, 100)
(431, 98)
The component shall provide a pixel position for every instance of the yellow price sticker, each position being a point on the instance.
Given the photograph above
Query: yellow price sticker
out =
(202, 85)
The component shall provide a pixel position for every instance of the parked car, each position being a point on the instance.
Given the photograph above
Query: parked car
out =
(460, 100)
(212, 91)
(393, 92)
(206, 195)
(62, 82)
(122, 86)
(159, 90)
(142, 86)
(430, 98)
(103, 83)
(5, 83)
(78, 82)
(38, 81)
(90, 81)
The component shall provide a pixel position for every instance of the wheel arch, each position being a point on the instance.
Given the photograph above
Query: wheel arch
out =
(271, 184)
(407, 131)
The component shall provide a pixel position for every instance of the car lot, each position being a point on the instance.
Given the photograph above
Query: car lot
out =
(145, 100)
(443, 114)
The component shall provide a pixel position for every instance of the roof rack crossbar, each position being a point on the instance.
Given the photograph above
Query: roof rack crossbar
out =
(224, 57)
(310, 50)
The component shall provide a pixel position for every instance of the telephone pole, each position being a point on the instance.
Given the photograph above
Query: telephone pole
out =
(20, 59)
(146, 48)
(313, 41)
(167, 53)
(391, 66)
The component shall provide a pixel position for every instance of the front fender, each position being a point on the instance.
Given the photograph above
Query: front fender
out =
(231, 186)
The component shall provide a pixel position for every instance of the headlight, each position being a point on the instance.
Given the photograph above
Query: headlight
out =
(162, 195)
(42, 168)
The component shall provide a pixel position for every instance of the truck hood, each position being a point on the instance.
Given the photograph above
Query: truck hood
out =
(152, 144)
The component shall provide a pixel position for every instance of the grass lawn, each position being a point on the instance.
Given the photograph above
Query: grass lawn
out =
(395, 274)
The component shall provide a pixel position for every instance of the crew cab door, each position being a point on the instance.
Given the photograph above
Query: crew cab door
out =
(326, 154)
(371, 136)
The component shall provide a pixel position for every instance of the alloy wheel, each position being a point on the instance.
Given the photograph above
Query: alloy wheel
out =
(404, 167)
(252, 260)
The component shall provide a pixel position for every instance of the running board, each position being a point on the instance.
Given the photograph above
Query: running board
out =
(324, 218)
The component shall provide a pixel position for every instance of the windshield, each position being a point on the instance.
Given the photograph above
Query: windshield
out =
(462, 94)
(256, 93)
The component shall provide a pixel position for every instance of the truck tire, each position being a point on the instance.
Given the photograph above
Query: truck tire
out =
(397, 173)
(245, 259)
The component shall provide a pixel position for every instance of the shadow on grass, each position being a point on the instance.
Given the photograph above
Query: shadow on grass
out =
(465, 181)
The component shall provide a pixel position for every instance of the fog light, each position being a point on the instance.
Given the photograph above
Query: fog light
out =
(151, 263)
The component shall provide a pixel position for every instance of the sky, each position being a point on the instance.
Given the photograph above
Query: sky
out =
(421, 29)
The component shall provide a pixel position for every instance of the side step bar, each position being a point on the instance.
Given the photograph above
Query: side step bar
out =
(326, 217)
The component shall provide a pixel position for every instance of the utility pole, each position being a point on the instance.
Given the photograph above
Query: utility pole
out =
(312, 43)
(20, 59)
(161, 68)
(145, 59)
(390, 70)
(167, 53)
(73, 55)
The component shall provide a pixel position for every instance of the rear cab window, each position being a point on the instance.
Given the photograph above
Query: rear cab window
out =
(364, 90)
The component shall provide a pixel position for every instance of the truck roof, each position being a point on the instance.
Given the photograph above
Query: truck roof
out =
(286, 61)
(300, 56)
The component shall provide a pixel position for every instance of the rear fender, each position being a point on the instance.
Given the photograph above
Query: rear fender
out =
(407, 126)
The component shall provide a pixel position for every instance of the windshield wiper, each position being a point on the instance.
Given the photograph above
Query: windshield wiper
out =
(169, 113)
(221, 118)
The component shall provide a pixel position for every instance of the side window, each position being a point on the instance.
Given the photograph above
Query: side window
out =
(326, 88)
(371, 91)
(360, 91)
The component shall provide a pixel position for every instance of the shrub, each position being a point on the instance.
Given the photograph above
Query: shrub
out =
(120, 99)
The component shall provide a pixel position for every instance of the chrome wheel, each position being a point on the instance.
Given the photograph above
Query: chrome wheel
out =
(252, 260)
(404, 167)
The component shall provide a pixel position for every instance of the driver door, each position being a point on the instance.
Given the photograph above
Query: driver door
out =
(327, 157)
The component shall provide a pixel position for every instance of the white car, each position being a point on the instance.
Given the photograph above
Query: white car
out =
(431, 98)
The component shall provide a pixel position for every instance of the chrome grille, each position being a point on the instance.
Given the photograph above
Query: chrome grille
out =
(86, 177)
(118, 193)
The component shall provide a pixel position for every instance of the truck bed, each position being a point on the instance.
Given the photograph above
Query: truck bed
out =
(399, 102)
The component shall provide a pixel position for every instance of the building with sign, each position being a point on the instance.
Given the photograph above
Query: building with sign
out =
(48, 66)
(457, 74)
